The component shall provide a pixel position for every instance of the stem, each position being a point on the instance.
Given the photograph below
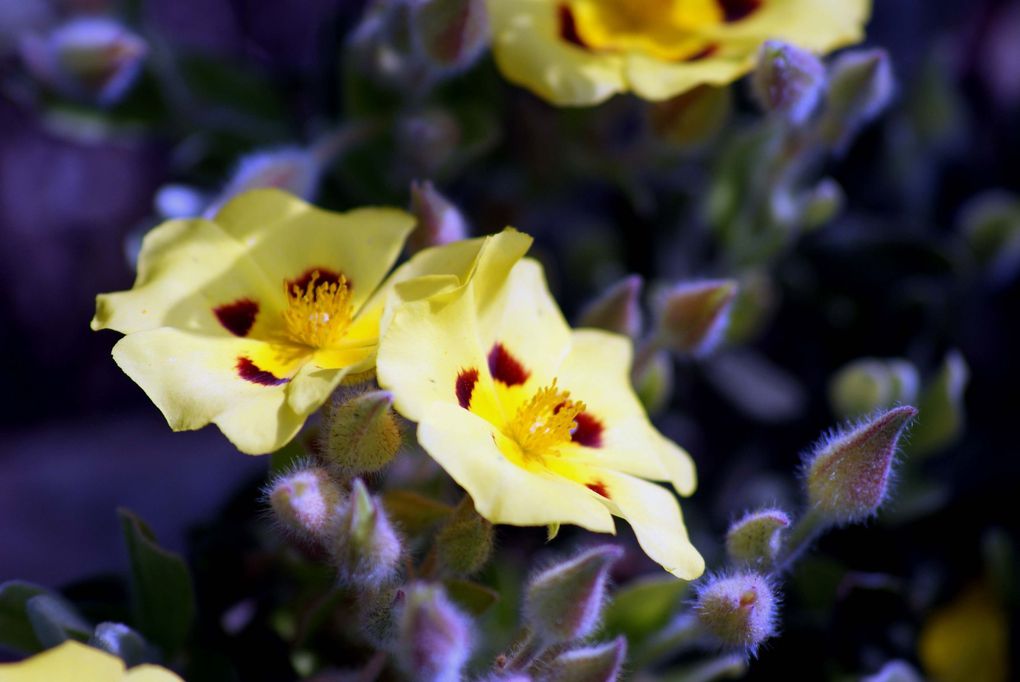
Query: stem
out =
(679, 634)
(527, 652)
(803, 533)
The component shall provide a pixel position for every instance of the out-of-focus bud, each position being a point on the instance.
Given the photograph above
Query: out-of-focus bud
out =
(600, 663)
(95, 59)
(755, 539)
(990, 223)
(753, 307)
(19, 18)
(366, 548)
(820, 204)
(293, 169)
(653, 382)
(382, 46)
(426, 141)
(360, 435)
(564, 602)
(439, 221)
(861, 85)
(306, 503)
(942, 407)
(464, 544)
(788, 81)
(179, 201)
(452, 33)
(870, 384)
(122, 642)
(693, 315)
(434, 640)
(617, 309)
(895, 671)
(692, 119)
(739, 610)
(847, 473)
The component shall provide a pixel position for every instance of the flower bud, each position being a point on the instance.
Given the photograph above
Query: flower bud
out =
(895, 671)
(439, 221)
(693, 315)
(366, 548)
(870, 384)
(848, 472)
(942, 406)
(434, 640)
(360, 435)
(452, 33)
(464, 544)
(861, 85)
(122, 642)
(755, 539)
(293, 169)
(739, 610)
(617, 309)
(305, 502)
(653, 382)
(600, 663)
(990, 222)
(820, 204)
(692, 119)
(91, 58)
(788, 81)
(564, 602)
(426, 141)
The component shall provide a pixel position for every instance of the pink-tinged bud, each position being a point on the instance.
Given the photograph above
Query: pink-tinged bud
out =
(435, 637)
(293, 169)
(861, 85)
(91, 58)
(564, 602)
(365, 549)
(788, 81)
(600, 663)
(452, 33)
(360, 435)
(617, 309)
(755, 539)
(306, 503)
(439, 221)
(847, 474)
(871, 384)
(693, 315)
(739, 610)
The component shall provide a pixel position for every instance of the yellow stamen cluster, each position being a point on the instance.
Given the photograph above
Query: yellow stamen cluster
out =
(319, 314)
(545, 422)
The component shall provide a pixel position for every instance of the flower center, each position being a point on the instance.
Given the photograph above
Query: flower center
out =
(319, 314)
(545, 422)
(664, 29)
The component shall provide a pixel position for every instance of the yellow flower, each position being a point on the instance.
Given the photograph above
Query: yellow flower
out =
(537, 422)
(251, 319)
(75, 662)
(581, 52)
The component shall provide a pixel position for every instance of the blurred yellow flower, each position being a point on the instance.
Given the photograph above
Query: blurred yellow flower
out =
(75, 662)
(581, 52)
(537, 422)
(967, 640)
(251, 319)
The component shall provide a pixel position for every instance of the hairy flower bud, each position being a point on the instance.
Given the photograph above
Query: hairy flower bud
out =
(564, 602)
(464, 544)
(848, 472)
(788, 81)
(617, 309)
(861, 85)
(755, 539)
(366, 548)
(870, 384)
(452, 33)
(599, 663)
(90, 58)
(739, 610)
(439, 221)
(434, 640)
(305, 502)
(693, 315)
(654, 382)
(361, 434)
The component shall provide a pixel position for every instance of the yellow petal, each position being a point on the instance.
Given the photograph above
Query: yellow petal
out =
(70, 661)
(194, 380)
(657, 80)
(597, 371)
(654, 514)
(464, 445)
(529, 50)
(817, 25)
(150, 673)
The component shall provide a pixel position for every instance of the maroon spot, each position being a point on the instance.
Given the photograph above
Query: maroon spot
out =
(568, 27)
(238, 317)
(707, 52)
(505, 368)
(735, 10)
(588, 431)
(249, 371)
(599, 488)
(326, 276)
(466, 381)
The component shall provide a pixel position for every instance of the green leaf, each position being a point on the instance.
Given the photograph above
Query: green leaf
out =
(54, 620)
(414, 513)
(161, 590)
(643, 607)
(473, 597)
(16, 630)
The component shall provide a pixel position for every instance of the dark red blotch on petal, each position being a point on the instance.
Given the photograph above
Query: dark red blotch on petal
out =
(326, 276)
(237, 317)
(599, 488)
(588, 431)
(735, 10)
(505, 368)
(568, 26)
(466, 381)
(249, 371)
(707, 52)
